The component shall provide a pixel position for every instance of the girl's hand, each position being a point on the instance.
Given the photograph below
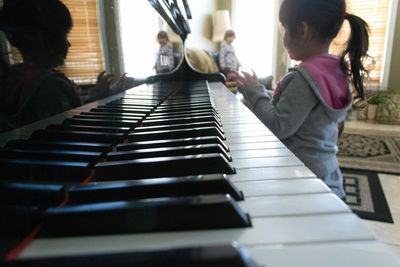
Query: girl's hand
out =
(104, 81)
(244, 80)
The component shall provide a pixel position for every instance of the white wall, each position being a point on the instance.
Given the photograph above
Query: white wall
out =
(201, 24)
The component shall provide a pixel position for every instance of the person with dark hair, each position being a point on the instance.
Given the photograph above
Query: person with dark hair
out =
(165, 56)
(312, 98)
(227, 55)
(33, 90)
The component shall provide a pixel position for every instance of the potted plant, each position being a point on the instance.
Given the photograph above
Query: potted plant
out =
(373, 103)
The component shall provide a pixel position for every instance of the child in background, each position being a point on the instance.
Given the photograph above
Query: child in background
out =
(227, 55)
(165, 56)
(313, 97)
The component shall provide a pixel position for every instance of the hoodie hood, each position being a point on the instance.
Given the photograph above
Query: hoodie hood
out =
(329, 83)
(330, 78)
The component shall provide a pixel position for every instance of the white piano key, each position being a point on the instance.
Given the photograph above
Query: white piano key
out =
(282, 187)
(272, 173)
(249, 140)
(266, 162)
(249, 146)
(271, 230)
(242, 154)
(368, 253)
(293, 205)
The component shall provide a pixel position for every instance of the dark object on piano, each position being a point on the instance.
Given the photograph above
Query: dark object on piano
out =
(147, 215)
(172, 143)
(167, 152)
(61, 145)
(41, 195)
(50, 154)
(44, 170)
(162, 167)
(175, 134)
(154, 188)
(215, 256)
(20, 220)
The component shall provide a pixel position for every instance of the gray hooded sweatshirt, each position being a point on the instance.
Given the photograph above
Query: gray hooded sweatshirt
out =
(301, 118)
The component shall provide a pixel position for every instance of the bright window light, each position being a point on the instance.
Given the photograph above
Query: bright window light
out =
(139, 28)
(254, 23)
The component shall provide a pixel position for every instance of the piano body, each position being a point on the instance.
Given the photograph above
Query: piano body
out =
(175, 171)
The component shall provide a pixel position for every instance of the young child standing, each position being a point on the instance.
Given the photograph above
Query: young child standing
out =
(165, 57)
(227, 55)
(313, 97)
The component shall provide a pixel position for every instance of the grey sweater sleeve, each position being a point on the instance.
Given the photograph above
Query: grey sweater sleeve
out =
(284, 116)
(222, 54)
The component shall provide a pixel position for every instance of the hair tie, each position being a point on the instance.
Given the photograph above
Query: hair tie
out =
(345, 15)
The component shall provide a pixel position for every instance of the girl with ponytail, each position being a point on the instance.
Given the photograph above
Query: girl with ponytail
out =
(313, 97)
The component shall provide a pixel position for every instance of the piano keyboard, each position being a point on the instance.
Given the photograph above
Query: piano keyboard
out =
(169, 169)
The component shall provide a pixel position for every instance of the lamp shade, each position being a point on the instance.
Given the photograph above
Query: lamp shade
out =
(222, 23)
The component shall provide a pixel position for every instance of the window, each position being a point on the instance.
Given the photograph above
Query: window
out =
(255, 25)
(139, 28)
(376, 14)
(85, 56)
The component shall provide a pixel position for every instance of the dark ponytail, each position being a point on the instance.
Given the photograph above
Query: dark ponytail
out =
(356, 51)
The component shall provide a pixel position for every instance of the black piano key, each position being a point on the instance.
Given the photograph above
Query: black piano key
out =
(134, 104)
(106, 117)
(41, 195)
(172, 109)
(139, 110)
(155, 116)
(116, 111)
(163, 166)
(153, 188)
(130, 116)
(43, 154)
(44, 170)
(172, 143)
(101, 122)
(215, 256)
(19, 220)
(187, 112)
(178, 126)
(83, 136)
(177, 133)
(167, 151)
(147, 215)
(61, 145)
(181, 120)
(88, 128)
(184, 105)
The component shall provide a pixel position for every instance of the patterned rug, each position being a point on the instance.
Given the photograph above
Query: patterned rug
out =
(369, 152)
(364, 195)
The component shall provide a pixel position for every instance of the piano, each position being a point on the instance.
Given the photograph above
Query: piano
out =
(174, 172)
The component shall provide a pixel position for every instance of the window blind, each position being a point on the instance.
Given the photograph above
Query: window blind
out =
(85, 57)
(375, 13)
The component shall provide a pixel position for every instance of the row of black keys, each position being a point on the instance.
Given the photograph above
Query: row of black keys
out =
(192, 144)
(193, 196)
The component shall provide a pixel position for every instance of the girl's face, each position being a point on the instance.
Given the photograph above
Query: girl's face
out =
(294, 50)
(230, 39)
(60, 48)
(162, 41)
